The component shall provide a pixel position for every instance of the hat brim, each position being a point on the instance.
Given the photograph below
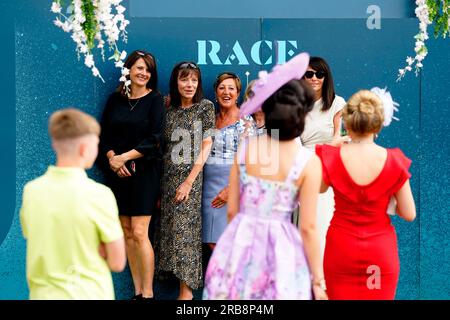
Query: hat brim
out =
(279, 76)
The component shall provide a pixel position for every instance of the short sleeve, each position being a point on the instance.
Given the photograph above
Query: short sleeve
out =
(23, 213)
(106, 216)
(150, 146)
(208, 118)
(401, 165)
(337, 105)
(320, 153)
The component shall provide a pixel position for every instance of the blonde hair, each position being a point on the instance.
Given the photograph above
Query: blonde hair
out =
(72, 123)
(248, 91)
(363, 113)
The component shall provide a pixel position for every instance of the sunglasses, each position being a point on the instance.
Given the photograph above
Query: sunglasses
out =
(143, 54)
(187, 65)
(318, 74)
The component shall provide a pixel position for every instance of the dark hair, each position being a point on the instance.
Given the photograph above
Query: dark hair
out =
(328, 94)
(228, 75)
(149, 60)
(184, 69)
(286, 109)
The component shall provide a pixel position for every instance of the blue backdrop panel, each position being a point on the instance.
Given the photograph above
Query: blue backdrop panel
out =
(435, 174)
(270, 9)
(174, 40)
(7, 120)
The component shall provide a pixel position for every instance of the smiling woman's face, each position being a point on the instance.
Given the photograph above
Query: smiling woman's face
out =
(227, 93)
(139, 73)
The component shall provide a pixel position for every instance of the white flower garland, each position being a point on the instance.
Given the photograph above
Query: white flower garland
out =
(421, 50)
(88, 21)
(437, 13)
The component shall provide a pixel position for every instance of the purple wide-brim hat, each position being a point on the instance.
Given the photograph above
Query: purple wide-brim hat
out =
(268, 83)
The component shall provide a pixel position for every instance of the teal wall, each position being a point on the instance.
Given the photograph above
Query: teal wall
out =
(41, 74)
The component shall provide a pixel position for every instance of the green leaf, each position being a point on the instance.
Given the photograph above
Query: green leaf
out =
(90, 25)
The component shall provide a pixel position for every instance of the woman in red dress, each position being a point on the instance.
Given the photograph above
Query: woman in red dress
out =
(361, 256)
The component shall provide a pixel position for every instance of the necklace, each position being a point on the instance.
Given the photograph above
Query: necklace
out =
(361, 142)
(132, 106)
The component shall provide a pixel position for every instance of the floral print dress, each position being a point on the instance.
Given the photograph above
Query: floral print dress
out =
(260, 254)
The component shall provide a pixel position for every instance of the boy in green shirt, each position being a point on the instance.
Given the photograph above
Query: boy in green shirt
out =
(71, 223)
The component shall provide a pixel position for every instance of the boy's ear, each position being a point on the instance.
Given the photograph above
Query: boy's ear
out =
(53, 145)
(82, 148)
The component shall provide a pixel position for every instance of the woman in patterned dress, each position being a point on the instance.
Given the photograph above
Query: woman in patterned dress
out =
(230, 129)
(190, 120)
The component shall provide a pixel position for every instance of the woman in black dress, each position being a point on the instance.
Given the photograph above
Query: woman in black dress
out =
(190, 120)
(130, 149)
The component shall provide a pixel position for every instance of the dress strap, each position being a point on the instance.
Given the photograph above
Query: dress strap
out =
(241, 157)
(300, 162)
(242, 152)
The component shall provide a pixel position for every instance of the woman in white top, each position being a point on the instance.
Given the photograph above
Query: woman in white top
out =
(322, 125)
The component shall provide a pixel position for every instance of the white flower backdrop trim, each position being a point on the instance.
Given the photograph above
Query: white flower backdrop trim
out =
(427, 11)
(90, 21)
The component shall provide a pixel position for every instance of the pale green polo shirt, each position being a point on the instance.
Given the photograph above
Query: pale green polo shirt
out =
(64, 217)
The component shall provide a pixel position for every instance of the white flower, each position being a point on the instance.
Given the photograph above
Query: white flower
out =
(111, 24)
(125, 71)
(120, 9)
(123, 79)
(84, 49)
(56, 8)
(127, 83)
(422, 13)
(58, 23)
(420, 57)
(89, 60)
(95, 72)
(420, 43)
